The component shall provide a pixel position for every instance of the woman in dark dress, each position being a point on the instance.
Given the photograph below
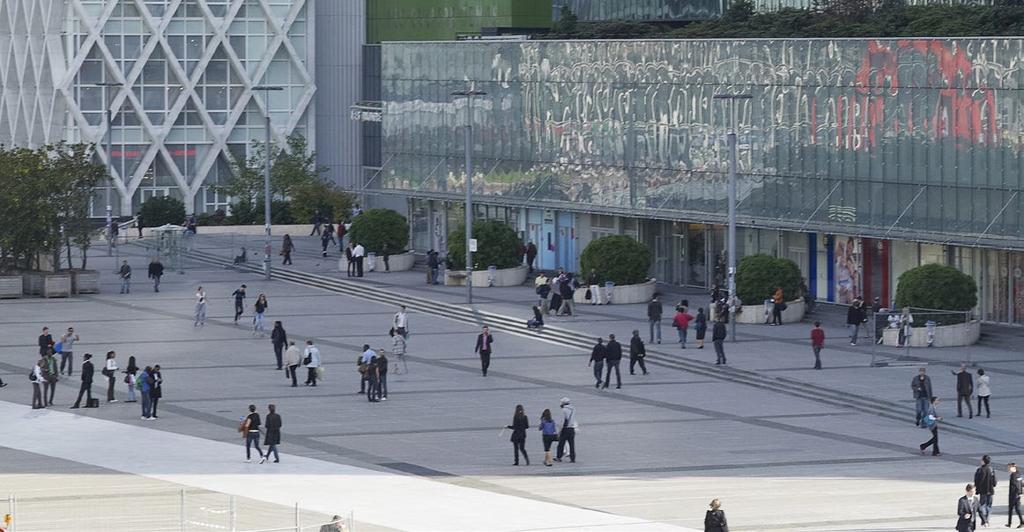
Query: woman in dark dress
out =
(273, 436)
(519, 425)
(714, 520)
(700, 325)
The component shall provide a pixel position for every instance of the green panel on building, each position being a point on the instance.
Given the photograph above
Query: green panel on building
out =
(442, 20)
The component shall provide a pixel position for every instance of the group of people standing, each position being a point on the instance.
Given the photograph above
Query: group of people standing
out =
(550, 433)
(926, 402)
(556, 294)
(145, 383)
(977, 500)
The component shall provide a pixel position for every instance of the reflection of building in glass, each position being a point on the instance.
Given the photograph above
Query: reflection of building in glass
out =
(183, 105)
(422, 20)
(642, 10)
(859, 158)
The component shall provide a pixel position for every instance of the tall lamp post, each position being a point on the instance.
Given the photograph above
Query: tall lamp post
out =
(108, 121)
(468, 95)
(267, 89)
(732, 99)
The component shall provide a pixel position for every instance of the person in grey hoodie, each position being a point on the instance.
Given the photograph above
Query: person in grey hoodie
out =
(568, 433)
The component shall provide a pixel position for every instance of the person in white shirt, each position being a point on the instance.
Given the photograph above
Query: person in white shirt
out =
(358, 253)
(312, 361)
(401, 322)
(110, 372)
(37, 385)
(200, 308)
(364, 362)
(983, 391)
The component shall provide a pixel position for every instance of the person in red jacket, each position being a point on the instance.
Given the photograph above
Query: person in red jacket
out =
(817, 342)
(682, 323)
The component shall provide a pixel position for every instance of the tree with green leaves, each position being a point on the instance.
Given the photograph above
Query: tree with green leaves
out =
(497, 245)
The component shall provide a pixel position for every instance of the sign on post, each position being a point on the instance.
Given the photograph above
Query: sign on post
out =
(472, 245)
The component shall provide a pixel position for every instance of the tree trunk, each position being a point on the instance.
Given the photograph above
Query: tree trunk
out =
(67, 242)
(84, 250)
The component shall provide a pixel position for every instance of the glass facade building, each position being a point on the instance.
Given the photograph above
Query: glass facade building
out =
(643, 10)
(433, 20)
(858, 158)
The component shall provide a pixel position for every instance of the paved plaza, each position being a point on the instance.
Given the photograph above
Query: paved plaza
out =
(434, 456)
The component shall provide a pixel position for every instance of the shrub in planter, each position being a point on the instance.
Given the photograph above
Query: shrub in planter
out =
(934, 286)
(757, 277)
(217, 217)
(248, 213)
(497, 245)
(619, 259)
(377, 227)
(161, 210)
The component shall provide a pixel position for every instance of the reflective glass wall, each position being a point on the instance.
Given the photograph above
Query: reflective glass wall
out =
(646, 10)
(895, 139)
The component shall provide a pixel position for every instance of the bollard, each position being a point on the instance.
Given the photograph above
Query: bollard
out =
(181, 511)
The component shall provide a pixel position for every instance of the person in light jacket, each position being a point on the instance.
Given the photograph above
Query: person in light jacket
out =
(568, 433)
(398, 347)
(110, 372)
(37, 385)
(983, 392)
(292, 361)
(312, 361)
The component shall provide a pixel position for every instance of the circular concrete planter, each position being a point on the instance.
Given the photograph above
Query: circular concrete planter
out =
(754, 314)
(10, 286)
(85, 281)
(957, 335)
(626, 294)
(482, 278)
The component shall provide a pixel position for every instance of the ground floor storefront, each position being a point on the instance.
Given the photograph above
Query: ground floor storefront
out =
(837, 267)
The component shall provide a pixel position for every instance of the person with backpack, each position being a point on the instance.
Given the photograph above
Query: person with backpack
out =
(130, 373)
(637, 352)
(250, 429)
(930, 421)
(37, 378)
(985, 484)
(312, 362)
(518, 427)
(155, 272)
(292, 361)
(325, 240)
(86, 388)
(568, 434)
(549, 433)
(273, 436)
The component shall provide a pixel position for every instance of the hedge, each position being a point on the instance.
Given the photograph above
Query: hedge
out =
(619, 259)
(935, 286)
(497, 245)
(758, 276)
(162, 210)
(377, 228)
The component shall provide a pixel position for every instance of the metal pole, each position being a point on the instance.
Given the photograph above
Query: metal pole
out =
(181, 510)
(266, 203)
(110, 183)
(232, 518)
(731, 265)
(469, 196)
(298, 524)
(12, 508)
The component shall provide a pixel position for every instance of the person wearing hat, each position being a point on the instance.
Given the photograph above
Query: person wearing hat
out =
(568, 433)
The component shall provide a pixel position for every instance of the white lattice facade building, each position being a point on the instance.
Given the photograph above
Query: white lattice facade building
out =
(182, 103)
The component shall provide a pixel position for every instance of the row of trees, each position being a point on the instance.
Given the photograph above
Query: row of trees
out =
(44, 204)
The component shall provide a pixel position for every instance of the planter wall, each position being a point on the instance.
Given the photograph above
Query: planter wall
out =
(32, 283)
(11, 286)
(85, 281)
(957, 335)
(399, 263)
(621, 295)
(482, 278)
(279, 231)
(57, 285)
(754, 314)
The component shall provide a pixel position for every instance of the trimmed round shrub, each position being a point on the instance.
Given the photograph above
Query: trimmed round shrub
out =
(376, 228)
(497, 244)
(162, 210)
(619, 259)
(757, 277)
(934, 286)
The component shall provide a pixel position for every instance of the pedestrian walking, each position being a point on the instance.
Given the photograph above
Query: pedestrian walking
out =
(273, 436)
(250, 429)
(654, 309)
(259, 309)
(718, 340)
(125, 273)
(714, 519)
(50, 378)
(597, 356)
(531, 256)
(778, 305)
(567, 437)
(983, 392)
(612, 358)
(372, 376)
(279, 338)
(518, 427)
(130, 373)
(567, 289)
(239, 295)
(86, 387)
(329, 231)
(311, 360)
(386, 256)
(1016, 488)
(484, 341)
(317, 221)
(433, 267)
(637, 352)
(382, 375)
(67, 347)
(359, 253)
(145, 383)
(287, 247)
(930, 421)
(45, 341)
(350, 259)
(398, 347)
(200, 308)
(966, 511)
(139, 223)
(700, 327)
(156, 390)
(593, 289)
(292, 360)
(37, 378)
(543, 294)
(549, 433)
(964, 390)
(682, 322)
(855, 316)
(817, 343)
(325, 240)
(155, 272)
(110, 372)
(985, 486)
(921, 386)
(401, 322)
(336, 525)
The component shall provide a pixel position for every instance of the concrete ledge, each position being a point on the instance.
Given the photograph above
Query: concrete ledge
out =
(32, 283)
(57, 285)
(754, 314)
(957, 335)
(620, 295)
(402, 262)
(257, 230)
(85, 281)
(11, 286)
(482, 278)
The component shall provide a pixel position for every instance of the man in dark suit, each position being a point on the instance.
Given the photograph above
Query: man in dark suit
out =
(613, 355)
(964, 389)
(87, 371)
(921, 385)
(965, 510)
(718, 339)
(1016, 488)
(483, 347)
(637, 352)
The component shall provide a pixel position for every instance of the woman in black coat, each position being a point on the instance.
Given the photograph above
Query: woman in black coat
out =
(273, 436)
(714, 520)
(701, 326)
(156, 388)
(519, 425)
(279, 338)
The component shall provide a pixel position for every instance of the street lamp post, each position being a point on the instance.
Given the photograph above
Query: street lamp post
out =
(266, 180)
(108, 121)
(469, 94)
(731, 248)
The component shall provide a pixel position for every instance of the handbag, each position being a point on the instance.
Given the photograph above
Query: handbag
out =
(127, 379)
(320, 372)
(307, 360)
(588, 295)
